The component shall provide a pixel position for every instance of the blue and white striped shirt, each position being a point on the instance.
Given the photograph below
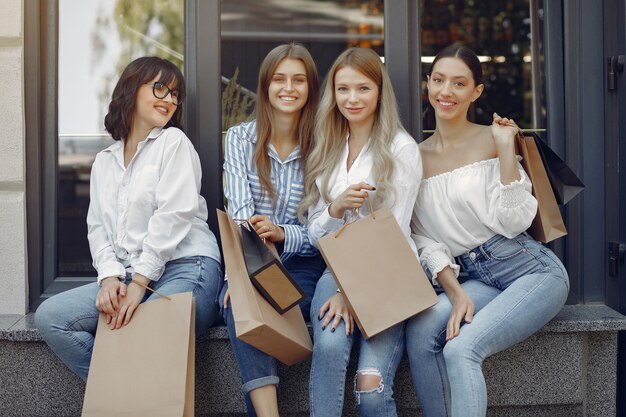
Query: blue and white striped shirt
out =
(246, 198)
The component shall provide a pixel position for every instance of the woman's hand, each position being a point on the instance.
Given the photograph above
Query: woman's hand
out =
(462, 309)
(109, 295)
(128, 303)
(353, 197)
(503, 131)
(336, 309)
(266, 229)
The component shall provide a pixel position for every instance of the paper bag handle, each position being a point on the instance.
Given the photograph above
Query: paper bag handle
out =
(369, 203)
(150, 289)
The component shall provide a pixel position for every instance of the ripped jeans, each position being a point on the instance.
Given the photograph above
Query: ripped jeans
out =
(379, 358)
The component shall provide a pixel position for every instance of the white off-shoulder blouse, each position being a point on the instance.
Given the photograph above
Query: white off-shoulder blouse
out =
(463, 208)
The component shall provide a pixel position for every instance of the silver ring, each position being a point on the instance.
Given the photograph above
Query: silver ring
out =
(339, 314)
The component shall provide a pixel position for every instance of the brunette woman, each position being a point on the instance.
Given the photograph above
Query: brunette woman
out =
(475, 204)
(146, 222)
(264, 168)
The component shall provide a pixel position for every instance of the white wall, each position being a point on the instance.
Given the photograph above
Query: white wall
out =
(13, 259)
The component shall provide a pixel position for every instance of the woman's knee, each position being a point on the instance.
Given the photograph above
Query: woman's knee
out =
(370, 390)
(458, 351)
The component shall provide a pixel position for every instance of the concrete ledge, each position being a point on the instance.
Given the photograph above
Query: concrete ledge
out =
(566, 369)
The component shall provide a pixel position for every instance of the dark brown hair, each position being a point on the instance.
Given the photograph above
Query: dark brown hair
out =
(466, 55)
(118, 120)
(264, 110)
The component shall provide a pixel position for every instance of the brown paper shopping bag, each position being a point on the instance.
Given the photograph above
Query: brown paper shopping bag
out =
(548, 223)
(267, 273)
(377, 272)
(146, 368)
(284, 337)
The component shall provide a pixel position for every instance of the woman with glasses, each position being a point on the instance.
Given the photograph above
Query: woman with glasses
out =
(264, 167)
(147, 227)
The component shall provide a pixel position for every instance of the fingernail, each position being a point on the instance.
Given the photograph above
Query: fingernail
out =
(373, 188)
(319, 318)
(323, 328)
(332, 330)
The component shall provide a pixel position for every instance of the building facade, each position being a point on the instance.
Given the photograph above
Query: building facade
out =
(553, 65)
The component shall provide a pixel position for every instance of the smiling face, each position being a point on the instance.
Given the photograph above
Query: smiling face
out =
(288, 90)
(356, 96)
(150, 111)
(451, 88)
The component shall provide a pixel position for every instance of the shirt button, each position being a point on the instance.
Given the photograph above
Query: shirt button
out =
(472, 256)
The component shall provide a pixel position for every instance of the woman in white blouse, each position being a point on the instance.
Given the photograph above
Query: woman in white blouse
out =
(361, 152)
(146, 222)
(475, 203)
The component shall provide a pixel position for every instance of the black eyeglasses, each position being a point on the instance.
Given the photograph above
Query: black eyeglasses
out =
(161, 91)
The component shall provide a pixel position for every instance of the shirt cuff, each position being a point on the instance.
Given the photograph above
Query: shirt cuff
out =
(293, 238)
(149, 266)
(436, 262)
(328, 223)
(110, 269)
(514, 194)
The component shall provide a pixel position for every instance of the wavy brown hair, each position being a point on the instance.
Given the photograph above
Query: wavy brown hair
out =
(119, 119)
(264, 111)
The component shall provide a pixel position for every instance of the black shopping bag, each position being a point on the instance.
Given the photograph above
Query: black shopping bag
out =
(267, 273)
(564, 181)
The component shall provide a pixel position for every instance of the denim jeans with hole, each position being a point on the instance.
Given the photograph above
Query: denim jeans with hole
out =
(258, 369)
(68, 321)
(379, 356)
(517, 285)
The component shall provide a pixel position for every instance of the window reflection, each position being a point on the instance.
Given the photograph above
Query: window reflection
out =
(251, 28)
(97, 39)
(501, 34)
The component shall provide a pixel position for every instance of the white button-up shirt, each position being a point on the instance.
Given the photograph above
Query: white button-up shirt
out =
(406, 181)
(150, 212)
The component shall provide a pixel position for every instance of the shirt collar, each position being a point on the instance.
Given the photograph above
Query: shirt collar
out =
(295, 154)
(154, 133)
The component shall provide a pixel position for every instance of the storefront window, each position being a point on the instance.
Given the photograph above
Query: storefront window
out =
(251, 28)
(506, 37)
(97, 39)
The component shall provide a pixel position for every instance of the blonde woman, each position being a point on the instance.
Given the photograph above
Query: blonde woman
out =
(264, 167)
(361, 152)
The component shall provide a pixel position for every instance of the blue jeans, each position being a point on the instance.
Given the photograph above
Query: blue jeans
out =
(517, 285)
(258, 369)
(68, 321)
(331, 354)
(380, 356)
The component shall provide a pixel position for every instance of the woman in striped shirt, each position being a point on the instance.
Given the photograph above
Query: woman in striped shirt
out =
(264, 165)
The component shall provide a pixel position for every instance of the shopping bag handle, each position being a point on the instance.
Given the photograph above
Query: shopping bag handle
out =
(356, 216)
(150, 289)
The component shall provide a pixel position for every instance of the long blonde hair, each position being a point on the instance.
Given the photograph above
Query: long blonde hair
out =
(264, 111)
(331, 130)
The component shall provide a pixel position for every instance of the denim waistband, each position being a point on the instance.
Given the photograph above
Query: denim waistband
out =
(479, 253)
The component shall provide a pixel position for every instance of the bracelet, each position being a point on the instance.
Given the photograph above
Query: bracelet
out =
(338, 291)
(144, 286)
